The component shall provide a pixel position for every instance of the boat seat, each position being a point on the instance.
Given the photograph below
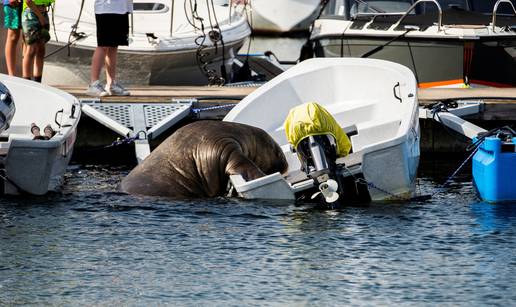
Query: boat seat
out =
(371, 132)
(380, 125)
(18, 130)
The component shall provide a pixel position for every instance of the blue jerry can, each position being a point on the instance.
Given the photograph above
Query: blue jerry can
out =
(494, 169)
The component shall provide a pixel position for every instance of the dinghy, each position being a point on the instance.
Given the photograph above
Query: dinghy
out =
(181, 42)
(29, 164)
(374, 102)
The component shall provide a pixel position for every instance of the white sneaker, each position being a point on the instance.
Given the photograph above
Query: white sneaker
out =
(116, 89)
(96, 89)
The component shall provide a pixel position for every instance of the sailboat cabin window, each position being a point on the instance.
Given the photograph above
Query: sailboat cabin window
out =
(150, 7)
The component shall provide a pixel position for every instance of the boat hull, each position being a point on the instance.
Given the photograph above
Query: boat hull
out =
(401, 161)
(138, 68)
(37, 166)
(37, 169)
(436, 62)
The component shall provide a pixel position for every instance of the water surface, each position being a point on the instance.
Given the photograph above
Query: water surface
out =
(92, 246)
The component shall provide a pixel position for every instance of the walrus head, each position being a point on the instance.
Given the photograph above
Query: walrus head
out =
(261, 149)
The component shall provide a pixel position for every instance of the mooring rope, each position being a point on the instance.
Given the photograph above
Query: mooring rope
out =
(199, 110)
(215, 35)
(73, 33)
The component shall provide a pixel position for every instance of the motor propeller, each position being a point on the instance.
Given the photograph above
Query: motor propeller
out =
(329, 190)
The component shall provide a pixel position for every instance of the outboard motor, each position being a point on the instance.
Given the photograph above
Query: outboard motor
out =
(7, 108)
(318, 156)
(318, 140)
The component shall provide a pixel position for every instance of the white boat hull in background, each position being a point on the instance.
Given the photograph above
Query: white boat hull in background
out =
(284, 15)
(164, 47)
(375, 99)
(37, 166)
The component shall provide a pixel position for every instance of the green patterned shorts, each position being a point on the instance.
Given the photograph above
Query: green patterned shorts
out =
(12, 17)
(33, 31)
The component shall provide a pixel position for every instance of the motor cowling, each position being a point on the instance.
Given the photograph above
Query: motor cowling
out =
(318, 141)
(7, 107)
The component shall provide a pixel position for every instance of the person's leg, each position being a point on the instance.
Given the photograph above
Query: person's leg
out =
(95, 88)
(28, 60)
(110, 60)
(30, 26)
(13, 36)
(39, 58)
(118, 37)
(97, 62)
(112, 86)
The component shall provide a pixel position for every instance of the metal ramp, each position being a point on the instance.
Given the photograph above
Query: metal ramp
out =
(451, 117)
(139, 121)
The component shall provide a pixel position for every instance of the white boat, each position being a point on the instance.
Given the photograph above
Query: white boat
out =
(37, 166)
(374, 101)
(459, 43)
(179, 42)
(269, 16)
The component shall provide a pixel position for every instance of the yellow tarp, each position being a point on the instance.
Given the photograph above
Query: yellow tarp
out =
(312, 119)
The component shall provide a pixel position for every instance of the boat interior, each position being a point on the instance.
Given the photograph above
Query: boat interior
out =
(50, 108)
(371, 116)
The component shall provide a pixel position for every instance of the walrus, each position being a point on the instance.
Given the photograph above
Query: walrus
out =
(196, 161)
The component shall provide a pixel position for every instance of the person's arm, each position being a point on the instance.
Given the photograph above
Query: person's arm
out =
(36, 11)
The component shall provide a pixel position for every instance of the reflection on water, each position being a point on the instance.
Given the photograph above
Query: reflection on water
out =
(494, 217)
(91, 245)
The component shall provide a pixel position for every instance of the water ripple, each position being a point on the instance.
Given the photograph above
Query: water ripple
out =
(90, 245)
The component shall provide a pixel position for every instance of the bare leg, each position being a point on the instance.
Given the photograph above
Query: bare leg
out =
(111, 57)
(39, 60)
(13, 36)
(28, 60)
(97, 62)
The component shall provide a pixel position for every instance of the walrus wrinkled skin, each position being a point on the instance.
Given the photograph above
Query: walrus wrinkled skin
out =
(197, 159)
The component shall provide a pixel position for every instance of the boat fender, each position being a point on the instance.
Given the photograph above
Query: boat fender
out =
(215, 36)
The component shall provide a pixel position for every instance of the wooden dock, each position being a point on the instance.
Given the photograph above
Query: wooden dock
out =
(160, 94)
(499, 109)
(165, 93)
(500, 103)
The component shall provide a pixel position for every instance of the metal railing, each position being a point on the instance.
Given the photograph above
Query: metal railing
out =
(440, 17)
(230, 5)
(132, 23)
(172, 17)
(495, 10)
